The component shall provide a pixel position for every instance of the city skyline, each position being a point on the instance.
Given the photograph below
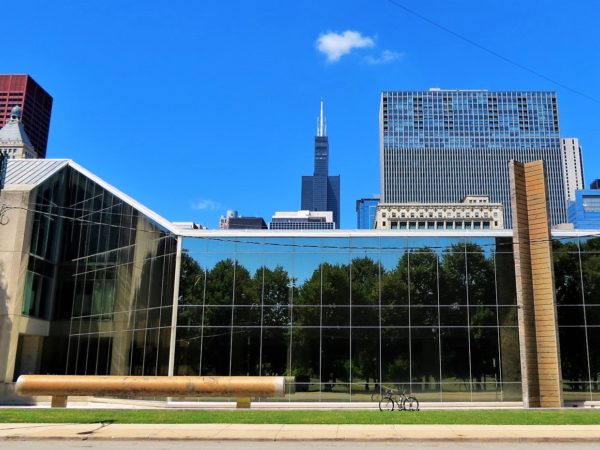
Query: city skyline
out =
(240, 105)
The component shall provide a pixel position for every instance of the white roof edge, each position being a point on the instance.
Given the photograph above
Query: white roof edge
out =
(126, 198)
(374, 233)
(344, 233)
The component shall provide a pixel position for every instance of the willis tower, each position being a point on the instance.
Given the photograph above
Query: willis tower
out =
(321, 192)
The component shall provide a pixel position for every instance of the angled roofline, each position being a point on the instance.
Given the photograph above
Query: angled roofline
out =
(126, 198)
(50, 167)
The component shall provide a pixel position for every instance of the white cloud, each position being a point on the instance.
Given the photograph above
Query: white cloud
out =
(206, 204)
(385, 57)
(335, 45)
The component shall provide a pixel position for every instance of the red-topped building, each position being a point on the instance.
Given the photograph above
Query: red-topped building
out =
(36, 103)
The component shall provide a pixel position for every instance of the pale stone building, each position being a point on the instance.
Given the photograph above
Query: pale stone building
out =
(14, 142)
(474, 212)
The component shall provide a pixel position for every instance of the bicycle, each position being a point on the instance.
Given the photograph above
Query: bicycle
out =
(403, 402)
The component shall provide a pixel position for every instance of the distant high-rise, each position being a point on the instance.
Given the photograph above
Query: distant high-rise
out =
(36, 104)
(572, 166)
(233, 221)
(437, 146)
(321, 192)
(366, 209)
(302, 220)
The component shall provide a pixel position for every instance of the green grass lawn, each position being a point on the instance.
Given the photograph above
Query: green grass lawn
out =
(480, 417)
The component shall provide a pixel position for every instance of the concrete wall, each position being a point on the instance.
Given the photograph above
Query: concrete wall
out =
(14, 247)
(538, 328)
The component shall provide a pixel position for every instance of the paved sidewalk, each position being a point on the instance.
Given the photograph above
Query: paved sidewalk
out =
(516, 433)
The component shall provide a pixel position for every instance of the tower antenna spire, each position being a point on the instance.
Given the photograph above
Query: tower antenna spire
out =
(321, 130)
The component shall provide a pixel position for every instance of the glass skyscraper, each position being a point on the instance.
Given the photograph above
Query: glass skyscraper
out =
(366, 209)
(441, 145)
(321, 192)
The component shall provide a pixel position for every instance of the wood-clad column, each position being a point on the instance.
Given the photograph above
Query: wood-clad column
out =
(538, 330)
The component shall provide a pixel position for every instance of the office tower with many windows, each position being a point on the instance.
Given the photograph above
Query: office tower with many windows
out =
(438, 146)
(572, 166)
(36, 103)
(321, 192)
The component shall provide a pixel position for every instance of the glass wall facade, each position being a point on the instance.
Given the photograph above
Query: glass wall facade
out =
(577, 280)
(103, 274)
(348, 316)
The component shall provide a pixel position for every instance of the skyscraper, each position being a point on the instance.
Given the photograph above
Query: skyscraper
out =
(320, 191)
(442, 145)
(36, 103)
(572, 166)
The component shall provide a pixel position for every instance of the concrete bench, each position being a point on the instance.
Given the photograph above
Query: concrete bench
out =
(60, 387)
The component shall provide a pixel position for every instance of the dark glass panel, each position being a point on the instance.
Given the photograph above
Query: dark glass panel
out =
(305, 356)
(485, 360)
(336, 316)
(365, 281)
(336, 284)
(424, 316)
(275, 349)
(151, 352)
(395, 356)
(507, 316)
(454, 315)
(453, 275)
(481, 316)
(216, 344)
(220, 283)
(394, 281)
(570, 315)
(425, 352)
(593, 315)
(164, 346)
(573, 352)
(280, 316)
(335, 355)
(188, 316)
(394, 316)
(505, 279)
(480, 276)
(455, 355)
(593, 335)
(590, 266)
(245, 357)
(365, 316)
(567, 277)
(166, 313)
(187, 350)
(246, 315)
(138, 350)
(423, 277)
(365, 359)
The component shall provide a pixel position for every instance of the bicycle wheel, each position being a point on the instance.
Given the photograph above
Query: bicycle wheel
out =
(411, 404)
(386, 404)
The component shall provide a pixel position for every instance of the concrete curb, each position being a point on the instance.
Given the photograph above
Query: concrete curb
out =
(275, 432)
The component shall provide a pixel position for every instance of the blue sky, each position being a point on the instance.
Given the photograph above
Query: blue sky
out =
(197, 107)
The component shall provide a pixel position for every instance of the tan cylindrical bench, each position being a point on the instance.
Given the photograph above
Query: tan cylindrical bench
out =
(60, 387)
